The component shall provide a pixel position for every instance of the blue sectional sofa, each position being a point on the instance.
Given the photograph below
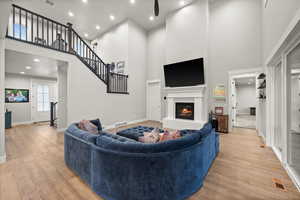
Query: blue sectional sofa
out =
(120, 168)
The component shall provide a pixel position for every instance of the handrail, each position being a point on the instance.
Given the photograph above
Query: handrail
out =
(87, 46)
(34, 13)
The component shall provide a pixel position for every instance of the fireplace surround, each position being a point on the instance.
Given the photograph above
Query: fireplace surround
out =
(194, 98)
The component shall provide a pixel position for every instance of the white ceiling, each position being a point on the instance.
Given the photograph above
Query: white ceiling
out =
(245, 81)
(16, 62)
(97, 12)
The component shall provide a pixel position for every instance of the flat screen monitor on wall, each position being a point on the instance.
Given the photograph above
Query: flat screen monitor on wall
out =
(16, 95)
(187, 73)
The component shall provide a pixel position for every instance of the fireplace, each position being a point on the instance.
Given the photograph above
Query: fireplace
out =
(185, 111)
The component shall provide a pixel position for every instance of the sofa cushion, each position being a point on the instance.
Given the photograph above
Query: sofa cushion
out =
(86, 125)
(97, 123)
(204, 131)
(131, 146)
(136, 132)
(77, 132)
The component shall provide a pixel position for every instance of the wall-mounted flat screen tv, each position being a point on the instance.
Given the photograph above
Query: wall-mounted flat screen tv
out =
(16, 95)
(187, 73)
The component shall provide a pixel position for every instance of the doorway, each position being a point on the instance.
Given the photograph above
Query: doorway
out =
(244, 107)
(154, 100)
(43, 92)
(245, 100)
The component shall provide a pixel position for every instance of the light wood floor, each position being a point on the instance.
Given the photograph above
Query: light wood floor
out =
(35, 169)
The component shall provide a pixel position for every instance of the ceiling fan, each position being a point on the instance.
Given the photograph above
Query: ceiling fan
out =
(156, 8)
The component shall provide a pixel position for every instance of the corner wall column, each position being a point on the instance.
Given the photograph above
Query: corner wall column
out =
(2, 100)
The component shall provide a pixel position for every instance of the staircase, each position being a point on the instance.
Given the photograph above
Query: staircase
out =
(27, 26)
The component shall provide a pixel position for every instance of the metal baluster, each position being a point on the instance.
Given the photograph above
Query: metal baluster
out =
(47, 33)
(65, 39)
(52, 37)
(37, 27)
(43, 31)
(26, 23)
(31, 27)
(14, 20)
(20, 23)
(56, 32)
(60, 39)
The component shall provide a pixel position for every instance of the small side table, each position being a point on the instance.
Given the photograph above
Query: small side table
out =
(222, 123)
(8, 119)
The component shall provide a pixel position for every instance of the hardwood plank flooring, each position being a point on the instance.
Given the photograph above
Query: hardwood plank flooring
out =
(35, 169)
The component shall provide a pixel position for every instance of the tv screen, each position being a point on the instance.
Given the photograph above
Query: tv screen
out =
(16, 95)
(187, 73)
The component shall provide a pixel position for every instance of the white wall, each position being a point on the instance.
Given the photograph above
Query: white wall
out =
(113, 45)
(156, 59)
(276, 18)
(186, 33)
(137, 68)
(2, 100)
(234, 42)
(156, 53)
(246, 98)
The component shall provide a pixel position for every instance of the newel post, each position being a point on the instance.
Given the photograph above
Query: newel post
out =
(70, 37)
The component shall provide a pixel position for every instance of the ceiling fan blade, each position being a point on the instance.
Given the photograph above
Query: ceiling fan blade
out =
(156, 8)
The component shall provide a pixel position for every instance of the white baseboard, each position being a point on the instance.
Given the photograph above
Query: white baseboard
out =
(277, 153)
(61, 130)
(128, 123)
(3, 159)
(293, 175)
(22, 123)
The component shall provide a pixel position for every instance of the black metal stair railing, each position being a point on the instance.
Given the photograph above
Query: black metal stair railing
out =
(32, 28)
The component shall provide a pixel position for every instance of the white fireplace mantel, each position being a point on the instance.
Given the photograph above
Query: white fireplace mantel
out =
(194, 94)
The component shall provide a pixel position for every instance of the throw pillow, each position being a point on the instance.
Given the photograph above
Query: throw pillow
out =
(169, 135)
(150, 137)
(88, 126)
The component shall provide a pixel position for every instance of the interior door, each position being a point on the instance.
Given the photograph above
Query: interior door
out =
(43, 93)
(233, 102)
(154, 101)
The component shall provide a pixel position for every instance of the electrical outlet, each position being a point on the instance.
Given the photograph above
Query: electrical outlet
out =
(118, 124)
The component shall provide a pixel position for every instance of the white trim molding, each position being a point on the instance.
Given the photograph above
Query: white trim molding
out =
(293, 175)
(241, 73)
(107, 127)
(3, 159)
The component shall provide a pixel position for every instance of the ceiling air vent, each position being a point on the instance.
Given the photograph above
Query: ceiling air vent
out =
(50, 3)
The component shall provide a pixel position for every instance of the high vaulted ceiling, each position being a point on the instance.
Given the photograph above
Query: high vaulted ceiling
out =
(97, 12)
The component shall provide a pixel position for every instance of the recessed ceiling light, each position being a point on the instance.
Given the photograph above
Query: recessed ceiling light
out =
(71, 14)
(151, 18)
(98, 27)
(182, 3)
(132, 1)
(22, 72)
(112, 17)
(86, 35)
(36, 60)
(84, 1)
(27, 67)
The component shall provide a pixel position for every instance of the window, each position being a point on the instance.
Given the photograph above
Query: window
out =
(20, 28)
(43, 102)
